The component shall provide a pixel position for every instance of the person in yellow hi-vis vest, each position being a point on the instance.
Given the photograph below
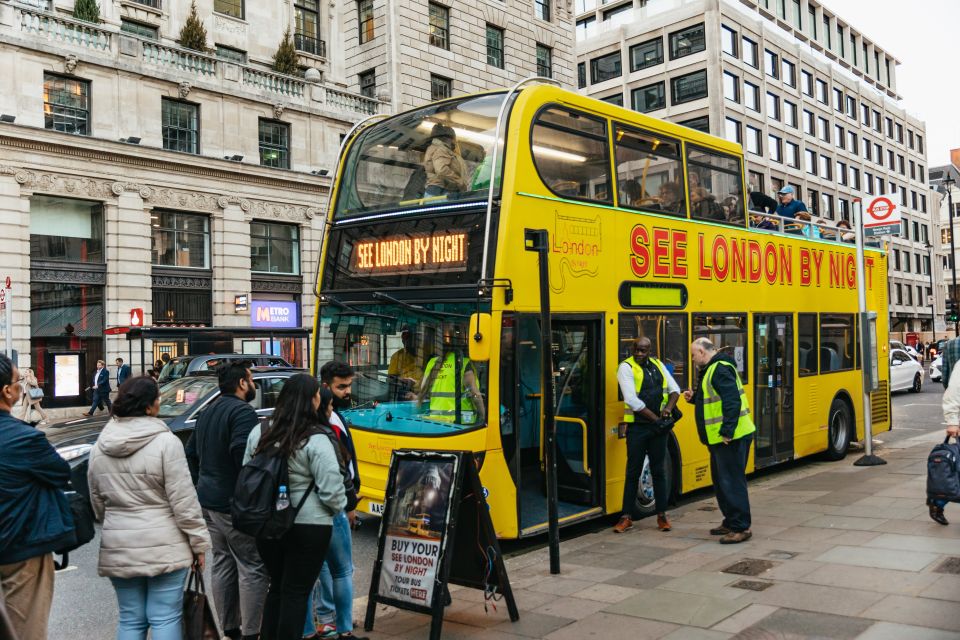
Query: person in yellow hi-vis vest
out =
(446, 379)
(725, 426)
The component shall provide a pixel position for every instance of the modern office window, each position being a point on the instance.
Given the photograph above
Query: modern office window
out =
(891, 163)
(365, 20)
(789, 114)
(181, 239)
(581, 75)
(585, 26)
(731, 87)
(853, 48)
(826, 167)
(823, 129)
(753, 140)
(899, 128)
(809, 126)
(544, 61)
(66, 230)
(274, 144)
(605, 67)
(851, 107)
(495, 46)
(689, 87)
(823, 93)
(826, 206)
(771, 62)
(646, 54)
(843, 208)
(868, 182)
(828, 32)
(841, 173)
(775, 148)
(728, 41)
(750, 53)
(439, 26)
(66, 104)
(788, 72)
(138, 29)
(922, 173)
(852, 142)
(806, 82)
(888, 125)
(865, 114)
(813, 201)
(180, 125)
(368, 83)
(867, 150)
(619, 16)
(920, 144)
(232, 8)
(688, 41)
(812, 21)
(810, 161)
(793, 155)
(751, 96)
(732, 130)
(773, 106)
(541, 9)
(878, 153)
(701, 123)
(616, 98)
(797, 16)
(440, 88)
(855, 178)
(274, 248)
(237, 56)
(838, 100)
(649, 98)
(838, 136)
(910, 144)
(876, 121)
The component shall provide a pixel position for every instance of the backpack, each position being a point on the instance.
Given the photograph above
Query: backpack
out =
(943, 471)
(253, 508)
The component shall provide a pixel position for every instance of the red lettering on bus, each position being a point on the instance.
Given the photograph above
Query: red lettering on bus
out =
(679, 245)
(704, 267)
(805, 267)
(835, 271)
(756, 261)
(869, 262)
(661, 255)
(739, 260)
(817, 261)
(770, 263)
(721, 260)
(851, 272)
(640, 260)
(786, 265)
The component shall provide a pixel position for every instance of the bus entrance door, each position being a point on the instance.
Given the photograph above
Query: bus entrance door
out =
(576, 364)
(773, 383)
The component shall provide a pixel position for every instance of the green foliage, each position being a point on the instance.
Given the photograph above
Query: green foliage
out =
(285, 59)
(193, 35)
(87, 10)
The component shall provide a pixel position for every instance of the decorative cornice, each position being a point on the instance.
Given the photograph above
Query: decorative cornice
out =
(68, 273)
(268, 284)
(170, 280)
(63, 184)
(225, 201)
(119, 188)
(192, 200)
(277, 211)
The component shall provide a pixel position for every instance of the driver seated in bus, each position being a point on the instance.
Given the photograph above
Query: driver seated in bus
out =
(444, 165)
(403, 369)
(439, 387)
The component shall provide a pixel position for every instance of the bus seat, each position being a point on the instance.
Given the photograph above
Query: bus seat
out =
(810, 361)
(416, 184)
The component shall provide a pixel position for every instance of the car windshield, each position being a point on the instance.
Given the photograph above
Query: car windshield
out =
(173, 370)
(179, 396)
(430, 156)
(413, 373)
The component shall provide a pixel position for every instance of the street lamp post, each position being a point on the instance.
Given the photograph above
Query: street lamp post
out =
(948, 182)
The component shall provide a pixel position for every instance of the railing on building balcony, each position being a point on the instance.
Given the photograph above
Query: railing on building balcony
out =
(155, 4)
(182, 59)
(274, 82)
(343, 101)
(57, 29)
(309, 44)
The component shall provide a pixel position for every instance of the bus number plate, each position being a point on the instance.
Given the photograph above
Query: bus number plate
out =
(375, 508)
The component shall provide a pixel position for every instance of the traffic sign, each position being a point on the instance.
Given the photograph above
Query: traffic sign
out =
(136, 317)
(882, 216)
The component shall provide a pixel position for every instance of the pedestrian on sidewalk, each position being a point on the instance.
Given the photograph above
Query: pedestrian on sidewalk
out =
(32, 397)
(101, 389)
(153, 529)
(951, 415)
(649, 395)
(951, 353)
(294, 560)
(215, 452)
(35, 518)
(725, 426)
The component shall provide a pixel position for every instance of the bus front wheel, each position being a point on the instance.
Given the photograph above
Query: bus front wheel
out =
(646, 504)
(839, 429)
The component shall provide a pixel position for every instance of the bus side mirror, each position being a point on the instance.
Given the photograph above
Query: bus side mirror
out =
(480, 337)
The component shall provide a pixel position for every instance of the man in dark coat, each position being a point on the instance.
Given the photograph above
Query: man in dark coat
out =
(101, 388)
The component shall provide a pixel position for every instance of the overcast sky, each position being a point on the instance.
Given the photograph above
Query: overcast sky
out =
(924, 36)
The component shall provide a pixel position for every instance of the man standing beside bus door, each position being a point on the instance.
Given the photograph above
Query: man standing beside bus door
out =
(725, 426)
(649, 395)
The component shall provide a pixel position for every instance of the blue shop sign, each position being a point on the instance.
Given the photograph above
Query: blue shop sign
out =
(275, 314)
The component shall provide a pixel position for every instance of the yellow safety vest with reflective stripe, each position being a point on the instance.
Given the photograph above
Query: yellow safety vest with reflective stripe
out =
(638, 383)
(713, 407)
(443, 391)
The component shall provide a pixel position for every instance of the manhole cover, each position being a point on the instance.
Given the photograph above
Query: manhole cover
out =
(707, 508)
(950, 565)
(751, 585)
(781, 555)
(750, 567)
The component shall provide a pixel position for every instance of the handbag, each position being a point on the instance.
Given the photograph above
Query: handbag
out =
(198, 620)
(665, 425)
(83, 527)
(35, 393)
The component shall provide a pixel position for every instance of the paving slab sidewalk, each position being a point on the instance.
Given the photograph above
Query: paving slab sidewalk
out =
(839, 552)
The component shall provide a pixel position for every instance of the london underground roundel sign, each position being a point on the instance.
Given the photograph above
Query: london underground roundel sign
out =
(882, 216)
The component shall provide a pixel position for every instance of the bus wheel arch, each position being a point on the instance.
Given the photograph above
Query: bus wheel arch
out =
(841, 426)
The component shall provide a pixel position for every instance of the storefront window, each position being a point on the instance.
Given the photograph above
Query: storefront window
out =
(182, 306)
(181, 239)
(274, 248)
(66, 230)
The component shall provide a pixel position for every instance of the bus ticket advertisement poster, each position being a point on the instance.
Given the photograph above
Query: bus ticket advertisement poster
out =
(418, 514)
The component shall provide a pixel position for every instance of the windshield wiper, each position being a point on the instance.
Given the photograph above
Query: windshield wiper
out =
(353, 310)
(417, 308)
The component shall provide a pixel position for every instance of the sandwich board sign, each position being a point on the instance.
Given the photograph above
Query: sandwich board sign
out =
(882, 216)
(435, 530)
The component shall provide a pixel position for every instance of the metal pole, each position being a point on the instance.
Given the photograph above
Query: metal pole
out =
(949, 182)
(933, 302)
(8, 332)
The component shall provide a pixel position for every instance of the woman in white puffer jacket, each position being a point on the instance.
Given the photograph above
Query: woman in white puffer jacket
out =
(153, 529)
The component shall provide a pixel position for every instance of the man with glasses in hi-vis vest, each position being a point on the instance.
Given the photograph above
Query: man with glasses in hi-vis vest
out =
(649, 395)
(725, 426)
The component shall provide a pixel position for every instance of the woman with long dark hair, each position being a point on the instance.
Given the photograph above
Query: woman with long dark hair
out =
(294, 561)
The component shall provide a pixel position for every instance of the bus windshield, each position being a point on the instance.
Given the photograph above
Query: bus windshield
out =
(435, 155)
(413, 373)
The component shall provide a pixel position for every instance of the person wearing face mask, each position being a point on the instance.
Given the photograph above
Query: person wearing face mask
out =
(215, 453)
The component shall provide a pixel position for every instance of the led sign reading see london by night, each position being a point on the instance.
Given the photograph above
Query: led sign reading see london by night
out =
(411, 253)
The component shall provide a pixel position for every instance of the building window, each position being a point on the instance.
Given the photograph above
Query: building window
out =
(788, 73)
(365, 19)
(775, 148)
(838, 135)
(605, 67)
(689, 87)
(823, 129)
(66, 230)
(541, 9)
(585, 26)
(728, 40)
(495, 46)
(838, 100)
(753, 140)
(440, 88)
(852, 142)
(808, 123)
(138, 29)
(274, 144)
(368, 83)
(793, 155)
(649, 98)
(439, 26)
(646, 54)
(687, 42)
(230, 54)
(700, 124)
(773, 106)
(619, 16)
(789, 114)
(732, 131)
(274, 248)
(851, 107)
(841, 173)
(229, 7)
(772, 63)
(66, 104)
(615, 98)
(181, 239)
(826, 167)
(731, 87)
(751, 96)
(544, 61)
(806, 83)
(823, 94)
(581, 75)
(750, 53)
(810, 163)
(180, 126)
(307, 35)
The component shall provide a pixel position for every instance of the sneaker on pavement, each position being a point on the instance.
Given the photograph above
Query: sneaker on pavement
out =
(663, 523)
(625, 524)
(328, 631)
(736, 537)
(719, 531)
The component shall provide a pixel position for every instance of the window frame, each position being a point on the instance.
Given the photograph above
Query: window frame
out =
(605, 139)
(498, 57)
(363, 81)
(676, 79)
(662, 85)
(177, 214)
(541, 10)
(196, 133)
(594, 66)
(283, 150)
(438, 23)
(813, 318)
(87, 87)
(673, 38)
(268, 237)
(544, 62)
(646, 65)
(365, 21)
(225, 10)
(744, 331)
(437, 81)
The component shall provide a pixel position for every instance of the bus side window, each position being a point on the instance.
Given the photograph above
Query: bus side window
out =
(669, 340)
(571, 154)
(807, 344)
(836, 342)
(729, 334)
(649, 172)
(715, 186)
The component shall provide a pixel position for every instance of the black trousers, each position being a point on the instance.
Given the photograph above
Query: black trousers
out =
(643, 442)
(728, 466)
(293, 563)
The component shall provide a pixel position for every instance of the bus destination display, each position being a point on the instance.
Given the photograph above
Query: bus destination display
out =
(411, 253)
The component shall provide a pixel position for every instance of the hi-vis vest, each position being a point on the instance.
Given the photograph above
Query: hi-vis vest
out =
(713, 408)
(638, 383)
(443, 391)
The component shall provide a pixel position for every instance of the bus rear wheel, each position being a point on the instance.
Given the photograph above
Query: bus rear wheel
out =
(646, 504)
(839, 429)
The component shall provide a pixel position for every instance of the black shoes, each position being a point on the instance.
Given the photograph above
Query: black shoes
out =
(936, 513)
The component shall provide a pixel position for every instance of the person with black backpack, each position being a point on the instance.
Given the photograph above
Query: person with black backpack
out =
(293, 552)
(943, 481)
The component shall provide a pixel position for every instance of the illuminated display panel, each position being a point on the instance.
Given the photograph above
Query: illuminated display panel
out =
(411, 253)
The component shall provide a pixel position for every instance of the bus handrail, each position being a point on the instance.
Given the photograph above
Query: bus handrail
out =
(583, 431)
(805, 228)
(493, 163)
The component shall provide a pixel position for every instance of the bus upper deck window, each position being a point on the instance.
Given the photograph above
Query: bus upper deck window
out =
(571, 154)
(715, 186)
(649, 172)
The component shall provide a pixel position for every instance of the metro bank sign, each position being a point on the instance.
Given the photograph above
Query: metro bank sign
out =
(274, 314)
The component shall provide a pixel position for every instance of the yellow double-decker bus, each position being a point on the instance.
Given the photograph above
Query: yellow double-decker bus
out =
(424, 261)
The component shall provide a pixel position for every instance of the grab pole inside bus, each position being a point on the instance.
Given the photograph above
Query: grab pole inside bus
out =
(868, 347)
(538, 240)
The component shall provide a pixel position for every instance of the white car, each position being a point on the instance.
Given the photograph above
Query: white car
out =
(935, 373)
(896, 344)
(905, 372)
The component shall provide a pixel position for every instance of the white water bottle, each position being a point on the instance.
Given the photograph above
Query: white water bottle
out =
(283, 500)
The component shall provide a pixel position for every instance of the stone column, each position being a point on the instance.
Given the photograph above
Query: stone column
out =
(15, 261)
(230, 255)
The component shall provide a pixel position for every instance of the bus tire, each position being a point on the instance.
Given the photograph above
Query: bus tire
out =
(839, 428)
(645, 504)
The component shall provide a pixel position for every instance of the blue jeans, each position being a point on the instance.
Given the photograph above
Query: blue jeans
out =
(155, 603)
(332, 597)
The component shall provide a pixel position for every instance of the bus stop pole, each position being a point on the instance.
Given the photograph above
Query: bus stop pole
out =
(867, 459)
(537, 240)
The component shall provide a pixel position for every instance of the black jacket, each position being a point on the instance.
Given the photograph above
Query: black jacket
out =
(348, 445)
(725, 383)
(343, 458)
(215, 450)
